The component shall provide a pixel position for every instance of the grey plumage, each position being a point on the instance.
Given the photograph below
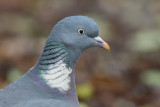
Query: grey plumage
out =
(51, 82)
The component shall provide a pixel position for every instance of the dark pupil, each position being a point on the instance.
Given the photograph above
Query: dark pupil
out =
(81, 31)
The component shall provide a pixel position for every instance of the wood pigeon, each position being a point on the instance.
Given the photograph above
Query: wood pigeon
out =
(51, 82)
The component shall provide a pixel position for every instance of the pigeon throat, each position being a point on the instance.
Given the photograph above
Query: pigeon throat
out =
(53, 67)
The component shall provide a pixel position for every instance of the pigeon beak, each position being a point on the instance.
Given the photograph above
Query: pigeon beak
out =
(102, 43)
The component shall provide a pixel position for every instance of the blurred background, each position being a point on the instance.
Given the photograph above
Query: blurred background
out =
(127, 76)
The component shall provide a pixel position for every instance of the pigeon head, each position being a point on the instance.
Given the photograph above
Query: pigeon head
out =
(77, 33)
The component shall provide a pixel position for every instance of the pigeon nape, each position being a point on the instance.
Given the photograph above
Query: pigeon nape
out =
(51, 82)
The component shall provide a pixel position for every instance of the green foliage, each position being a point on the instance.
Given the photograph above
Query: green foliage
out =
(85, 91)
(83, 104)
(13, 75)
(151, 77)
(145, 41)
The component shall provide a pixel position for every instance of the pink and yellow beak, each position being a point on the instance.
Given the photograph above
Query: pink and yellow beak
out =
(102, 43)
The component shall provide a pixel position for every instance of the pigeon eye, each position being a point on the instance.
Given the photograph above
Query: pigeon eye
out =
(80, 31)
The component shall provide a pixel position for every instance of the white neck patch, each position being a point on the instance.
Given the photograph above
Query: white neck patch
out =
(58, 77)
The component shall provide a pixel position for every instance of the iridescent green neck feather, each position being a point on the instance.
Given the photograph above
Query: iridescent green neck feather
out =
(53, 66)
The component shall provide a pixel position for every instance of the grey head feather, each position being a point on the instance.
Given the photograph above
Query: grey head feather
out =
(65, 31)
